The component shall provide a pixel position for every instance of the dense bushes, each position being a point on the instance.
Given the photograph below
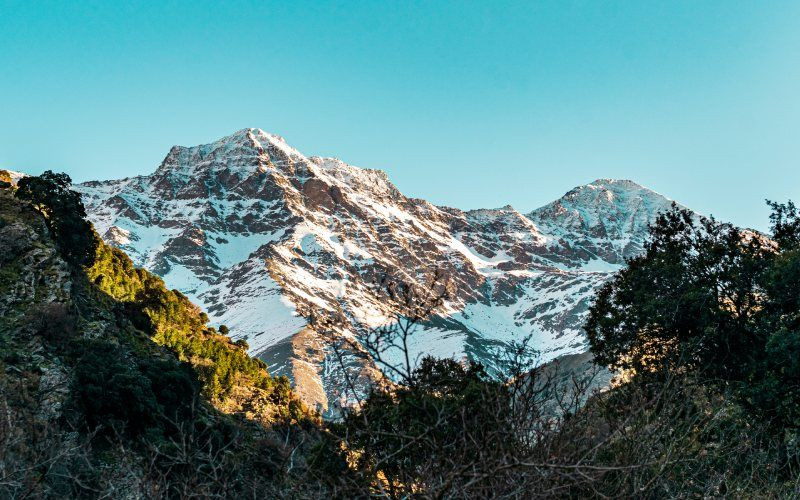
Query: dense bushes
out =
(447, 413)
(111, 393)
(175, 386)
(710, 299)
(174, 322)
(117, 393)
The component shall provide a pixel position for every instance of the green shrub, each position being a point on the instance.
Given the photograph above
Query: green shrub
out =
(175, 386)
(111, 393)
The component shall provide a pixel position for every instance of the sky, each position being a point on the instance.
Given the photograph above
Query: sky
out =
(465, 104)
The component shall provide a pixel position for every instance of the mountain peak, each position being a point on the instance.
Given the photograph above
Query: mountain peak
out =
(246, 137)
(614, 185)
(253, 137)
(614, 182)
(618, 192)
(242, 150)
(609, 218)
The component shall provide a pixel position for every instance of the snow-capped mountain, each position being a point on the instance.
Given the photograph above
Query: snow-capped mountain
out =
(261, 236)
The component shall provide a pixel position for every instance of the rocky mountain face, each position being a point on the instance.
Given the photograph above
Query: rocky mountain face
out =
(263, 236)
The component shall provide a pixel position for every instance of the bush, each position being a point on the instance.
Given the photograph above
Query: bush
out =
(447, 415)
(111, 393)
(175, 386)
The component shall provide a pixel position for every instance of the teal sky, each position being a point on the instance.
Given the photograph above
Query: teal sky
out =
(467, 104)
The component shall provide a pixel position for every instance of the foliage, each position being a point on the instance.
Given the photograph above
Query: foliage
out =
(711, 299)
(444, 402)
(117, 393)
(111, 393)
(64, 214)
(174, 322)
(175, 386)
(785, 221)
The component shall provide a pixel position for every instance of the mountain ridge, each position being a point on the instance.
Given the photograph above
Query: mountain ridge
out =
(262, 236)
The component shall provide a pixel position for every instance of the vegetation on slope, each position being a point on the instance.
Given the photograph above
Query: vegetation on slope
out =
(173, 321)
(114, 385)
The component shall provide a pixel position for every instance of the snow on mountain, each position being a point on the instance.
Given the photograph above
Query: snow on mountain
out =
(261, 236)
(605, 221)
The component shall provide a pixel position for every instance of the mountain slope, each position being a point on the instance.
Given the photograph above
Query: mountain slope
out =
(262, 236)
(112, 385)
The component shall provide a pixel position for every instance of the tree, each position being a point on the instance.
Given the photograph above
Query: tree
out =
(690, 302)
(64, 214)
(785, 221)
(773, 383)
(709, 299)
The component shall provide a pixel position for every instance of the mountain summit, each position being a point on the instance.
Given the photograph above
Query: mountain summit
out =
(607, 219)
(262, 236)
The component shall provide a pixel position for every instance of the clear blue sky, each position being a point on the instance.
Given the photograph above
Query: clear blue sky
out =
(468, 104)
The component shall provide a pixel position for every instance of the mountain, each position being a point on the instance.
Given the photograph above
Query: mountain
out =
(263, 236)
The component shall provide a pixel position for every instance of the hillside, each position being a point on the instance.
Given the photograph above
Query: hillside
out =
(263, 236)
(103, 370)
